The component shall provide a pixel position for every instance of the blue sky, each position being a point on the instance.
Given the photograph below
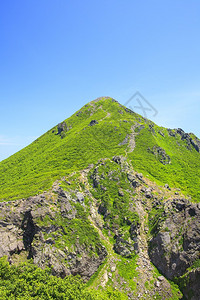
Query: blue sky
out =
(55, 56)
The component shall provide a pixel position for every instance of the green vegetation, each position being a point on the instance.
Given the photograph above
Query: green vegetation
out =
(156, 218)
(184, 280)
(182, 172)
(175, 290)
(34, 169)
(196, 264)
(112, 180)
(127, 271)
(116, 206)
(60, 154)
(26, 281)
(70, 230)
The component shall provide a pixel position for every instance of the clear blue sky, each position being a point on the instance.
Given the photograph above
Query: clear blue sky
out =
(55, 56)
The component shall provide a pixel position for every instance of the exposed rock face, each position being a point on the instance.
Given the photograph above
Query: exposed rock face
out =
(188, 137)
(62, 129)
(11, 240)
(123, 247)
(191, 289)
(132, 178)
(176, 243)
(160, 155)
(20, 231)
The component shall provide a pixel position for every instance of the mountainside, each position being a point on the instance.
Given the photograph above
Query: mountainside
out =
(110, 196)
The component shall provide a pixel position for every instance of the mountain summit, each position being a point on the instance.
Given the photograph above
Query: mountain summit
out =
(110, 196)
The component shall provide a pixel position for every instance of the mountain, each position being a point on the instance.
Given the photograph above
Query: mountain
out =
(107, 195)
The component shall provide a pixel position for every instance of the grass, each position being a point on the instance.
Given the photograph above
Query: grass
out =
(182, 172)
(127, 271)
(54, 156)
(34, 168)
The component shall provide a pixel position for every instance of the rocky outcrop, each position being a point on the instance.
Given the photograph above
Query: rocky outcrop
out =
(190, 139)
(175, 245)
(190, 285)
(28, 226)
(133, 179)
(93, 122)
(62, 128)
(160, 154)
(123, 247)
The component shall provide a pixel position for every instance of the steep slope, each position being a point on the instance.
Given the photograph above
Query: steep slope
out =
(101, 129)
(88, 210)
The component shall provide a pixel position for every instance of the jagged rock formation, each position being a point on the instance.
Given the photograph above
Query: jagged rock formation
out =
(160, 154)
(189, 138)
(26, 227)
(176, 242)
(175, 245)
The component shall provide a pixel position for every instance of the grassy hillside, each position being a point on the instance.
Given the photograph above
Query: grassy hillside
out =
(75, 144)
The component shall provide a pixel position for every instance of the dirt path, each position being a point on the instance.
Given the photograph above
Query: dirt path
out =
(131, 144)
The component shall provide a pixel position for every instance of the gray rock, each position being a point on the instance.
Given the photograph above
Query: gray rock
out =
(160, 154)
(167, 187)
(175, 245)
(20, 230)
(80, 197)
(93, 122)
(121, 193)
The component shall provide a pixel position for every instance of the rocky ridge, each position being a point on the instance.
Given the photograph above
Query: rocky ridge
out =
(158, 226)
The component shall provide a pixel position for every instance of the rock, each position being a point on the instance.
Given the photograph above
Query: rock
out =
(102, 209)
(113, 268)
(195, 144)
(190, 139)
(140, 176)
(103, 188)
(160, 154)
(132, 178)
(148, 194)
(161, 133)
(119, 159)
(161, 278)
(171, 132)
(123, 247)
(62, 128)
(167, 187)
(23, 232)
(121, 193)
(175, 245)
(93, 122)
(157, 283)
(151, 127)
(104, 279)
(192, 287)
(80, 197)
(95, 177)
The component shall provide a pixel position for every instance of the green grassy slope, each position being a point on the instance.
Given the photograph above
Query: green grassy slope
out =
(183, 171)
(36, 167)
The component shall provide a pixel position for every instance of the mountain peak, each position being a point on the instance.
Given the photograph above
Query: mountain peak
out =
(106, 182)
(102, 98)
